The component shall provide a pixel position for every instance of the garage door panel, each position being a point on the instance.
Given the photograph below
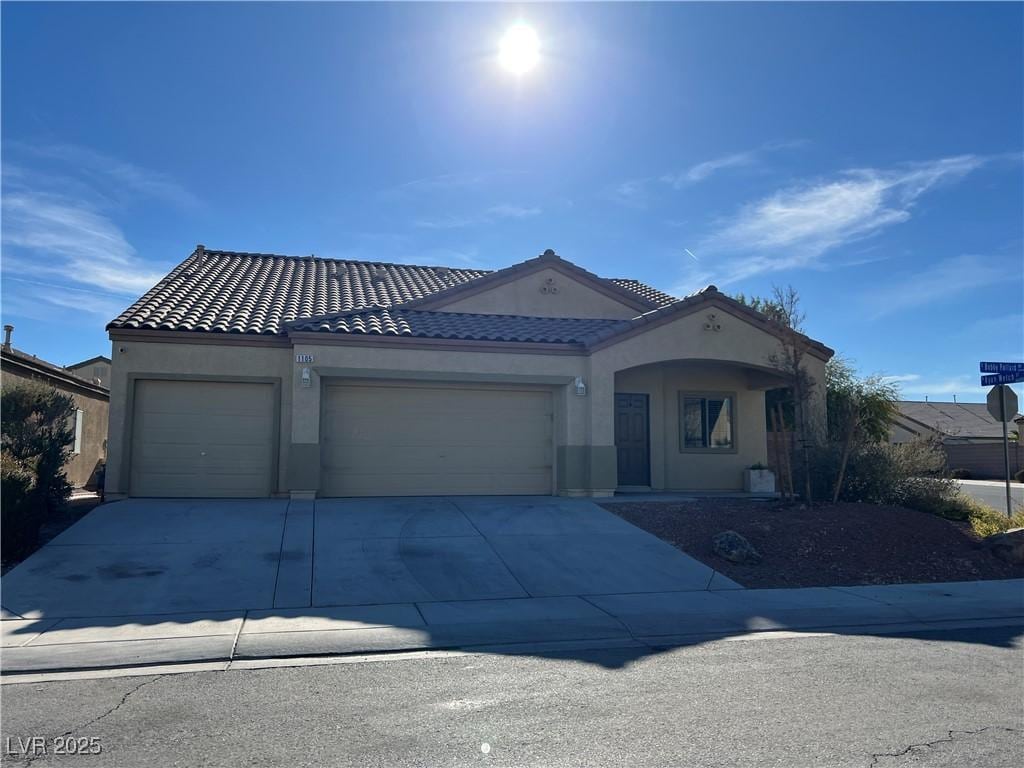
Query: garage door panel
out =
(198, 439)
(430, 440)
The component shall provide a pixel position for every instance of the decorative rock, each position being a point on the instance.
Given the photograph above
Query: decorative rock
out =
(1007, 546)
(733, 547)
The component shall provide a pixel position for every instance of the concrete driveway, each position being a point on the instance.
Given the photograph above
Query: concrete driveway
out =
(149, 556)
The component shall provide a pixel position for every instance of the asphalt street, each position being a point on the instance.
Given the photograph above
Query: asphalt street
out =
(952, 697)
(994, 494)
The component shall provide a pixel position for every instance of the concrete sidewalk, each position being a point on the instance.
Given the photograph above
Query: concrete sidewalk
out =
(647, 621)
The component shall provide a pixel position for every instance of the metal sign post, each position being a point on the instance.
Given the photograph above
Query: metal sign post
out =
(1002, 404)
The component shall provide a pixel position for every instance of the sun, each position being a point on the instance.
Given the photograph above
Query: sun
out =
(519, 50)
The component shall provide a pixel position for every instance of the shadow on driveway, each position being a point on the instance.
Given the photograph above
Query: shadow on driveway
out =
(163, 581)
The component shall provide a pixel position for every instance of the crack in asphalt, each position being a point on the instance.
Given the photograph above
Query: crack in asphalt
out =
(950, 737)
(27, 760)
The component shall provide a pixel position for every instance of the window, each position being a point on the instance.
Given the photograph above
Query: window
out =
(78, 430)
(705, 422)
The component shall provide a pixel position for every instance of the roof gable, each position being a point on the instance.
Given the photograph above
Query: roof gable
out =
(485, 296)
(254, 293)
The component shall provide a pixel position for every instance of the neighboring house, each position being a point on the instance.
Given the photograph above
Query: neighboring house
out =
(245, 374)
(971, 438)
(92, 403)
(95, 369)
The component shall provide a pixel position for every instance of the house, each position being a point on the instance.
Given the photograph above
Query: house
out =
(246, 374)
(95, 369)
(92, 403)
(971, 438)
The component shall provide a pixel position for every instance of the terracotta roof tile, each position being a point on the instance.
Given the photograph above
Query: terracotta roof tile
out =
(255, 293)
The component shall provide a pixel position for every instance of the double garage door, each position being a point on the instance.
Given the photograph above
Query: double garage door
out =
(394, 440)
(209, 439)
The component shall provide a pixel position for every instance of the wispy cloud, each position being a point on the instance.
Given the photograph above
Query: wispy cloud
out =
(796, 226)
(942, 387)
(944, 280)
(62, 246)
(105, 175)
(491, 215)
(635, 193)
(701, 171)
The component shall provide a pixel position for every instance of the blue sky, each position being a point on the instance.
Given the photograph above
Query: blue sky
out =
(868, 154)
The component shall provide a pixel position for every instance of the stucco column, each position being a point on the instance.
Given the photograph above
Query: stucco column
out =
(303, 477)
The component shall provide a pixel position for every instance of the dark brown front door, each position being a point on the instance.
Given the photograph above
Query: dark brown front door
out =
(631, 439)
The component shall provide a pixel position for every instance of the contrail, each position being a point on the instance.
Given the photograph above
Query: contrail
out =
(690, 253)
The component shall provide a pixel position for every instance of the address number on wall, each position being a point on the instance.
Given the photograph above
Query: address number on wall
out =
(303, 358)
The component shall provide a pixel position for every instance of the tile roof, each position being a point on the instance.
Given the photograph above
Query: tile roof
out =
(255, 293)
(953, 419)
(395, 321)
(658, 298)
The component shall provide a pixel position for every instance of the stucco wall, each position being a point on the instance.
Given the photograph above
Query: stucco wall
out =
(147, 359)
(100, 369)
(533, 295)
(734, 358)
(674, 469)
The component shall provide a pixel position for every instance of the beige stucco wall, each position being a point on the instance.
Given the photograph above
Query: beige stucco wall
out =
(673, 469)
(734, 358)
(532, 295)
(147, 359)
(98, 370)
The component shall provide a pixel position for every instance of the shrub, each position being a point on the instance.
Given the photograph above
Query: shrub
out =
(986, 521)
(18, 517)
(960, 474)
(36, 439)
(883, 473)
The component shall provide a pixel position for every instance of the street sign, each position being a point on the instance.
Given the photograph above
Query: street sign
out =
(1002, 404)
(1001, 378)
(1001, 367)
(1002, 411)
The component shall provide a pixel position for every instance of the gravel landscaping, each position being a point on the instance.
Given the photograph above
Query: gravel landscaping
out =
(825, 546)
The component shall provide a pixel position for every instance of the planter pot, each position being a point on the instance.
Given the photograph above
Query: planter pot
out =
(758, 481)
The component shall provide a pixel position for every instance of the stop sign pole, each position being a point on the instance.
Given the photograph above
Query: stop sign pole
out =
(1002, 404)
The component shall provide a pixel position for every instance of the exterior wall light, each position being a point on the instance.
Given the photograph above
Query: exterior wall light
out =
(307, 380)
(581, 388)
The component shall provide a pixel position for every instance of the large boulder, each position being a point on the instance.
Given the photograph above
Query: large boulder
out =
(1007, 546)
(734, 547)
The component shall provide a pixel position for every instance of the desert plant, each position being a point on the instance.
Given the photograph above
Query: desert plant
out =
(36, 439)
(859, 410)
(960, 474)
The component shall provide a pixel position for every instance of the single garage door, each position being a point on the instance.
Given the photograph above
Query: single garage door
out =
(433, 439)
(202, 438)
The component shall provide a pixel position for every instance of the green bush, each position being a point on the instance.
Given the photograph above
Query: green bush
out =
(961, 474)
(36, 439)
(986, 521)
(908, 474)
(19, 519)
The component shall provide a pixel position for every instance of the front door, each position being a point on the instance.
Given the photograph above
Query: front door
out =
(631, 439)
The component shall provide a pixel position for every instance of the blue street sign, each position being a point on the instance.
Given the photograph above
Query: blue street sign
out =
(1002, 378)
(1001, 368)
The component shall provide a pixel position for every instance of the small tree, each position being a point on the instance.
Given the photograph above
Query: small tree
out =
(859, 410)
(784, 308)
(36, 439)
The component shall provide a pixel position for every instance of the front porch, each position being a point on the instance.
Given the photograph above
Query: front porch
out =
(690, 425)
